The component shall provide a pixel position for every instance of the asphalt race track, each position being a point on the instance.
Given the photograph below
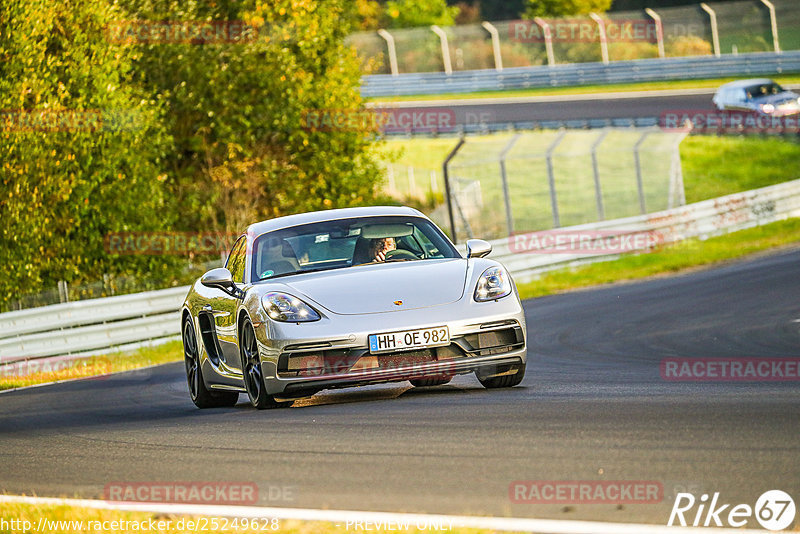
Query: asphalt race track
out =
(593, 406)
(640, 105)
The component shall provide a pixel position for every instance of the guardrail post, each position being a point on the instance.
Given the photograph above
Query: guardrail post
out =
(548, 39)
(773, 22)
(639, 181)
(601, 25)
(551, 179)
(712, 15)
(448, 67)
(659, 30)
(598, 192)
(446, 174)
(389, 38)
(504, 178)
(498, 58)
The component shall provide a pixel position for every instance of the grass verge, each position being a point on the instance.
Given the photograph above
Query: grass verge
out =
(45, 371)
(52, 518)
(585, 89)
(673, 259)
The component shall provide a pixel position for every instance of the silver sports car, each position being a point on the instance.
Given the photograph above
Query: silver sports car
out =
(345, 298)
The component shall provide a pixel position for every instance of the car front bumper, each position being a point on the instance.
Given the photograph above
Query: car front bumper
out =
(351, 332)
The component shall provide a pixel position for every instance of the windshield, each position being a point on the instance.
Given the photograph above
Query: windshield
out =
(764, 89)
(345, 243)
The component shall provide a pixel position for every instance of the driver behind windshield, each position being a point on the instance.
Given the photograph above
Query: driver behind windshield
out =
(380, 247)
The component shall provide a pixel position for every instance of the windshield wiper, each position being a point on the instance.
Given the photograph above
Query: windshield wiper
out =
(302, 272)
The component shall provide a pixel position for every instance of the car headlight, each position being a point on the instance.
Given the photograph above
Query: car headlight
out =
(767, 108)
(288, 309)
(493, 284)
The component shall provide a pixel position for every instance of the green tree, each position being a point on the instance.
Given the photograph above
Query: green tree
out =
(70, 171)
(412, 13)
(236, 111)
(565, 8)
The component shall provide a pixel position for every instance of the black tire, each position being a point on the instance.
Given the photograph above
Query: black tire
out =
(251, 369)
(430, 381)
(504, 381)
(201, 396)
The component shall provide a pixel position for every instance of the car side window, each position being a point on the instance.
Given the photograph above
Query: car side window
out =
(237, 259)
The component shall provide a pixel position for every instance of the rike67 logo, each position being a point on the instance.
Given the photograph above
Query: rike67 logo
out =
(774, 510)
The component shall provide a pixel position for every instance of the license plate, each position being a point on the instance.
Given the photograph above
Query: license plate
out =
(409, 339)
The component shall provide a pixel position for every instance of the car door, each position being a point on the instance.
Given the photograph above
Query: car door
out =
(225, 307)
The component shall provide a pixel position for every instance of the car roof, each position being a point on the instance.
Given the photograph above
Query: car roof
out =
(746, 83)
(329, 215)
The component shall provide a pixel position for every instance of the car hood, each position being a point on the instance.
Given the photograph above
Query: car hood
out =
(387, 287)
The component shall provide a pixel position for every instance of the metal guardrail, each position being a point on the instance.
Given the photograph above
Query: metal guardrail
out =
(92, 325)
(89, 326)
(640, 70)
(699, 220)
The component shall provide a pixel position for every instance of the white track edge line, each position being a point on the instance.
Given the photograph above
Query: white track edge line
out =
(541, 526)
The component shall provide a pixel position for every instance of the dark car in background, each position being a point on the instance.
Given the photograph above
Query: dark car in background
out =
(759, 95)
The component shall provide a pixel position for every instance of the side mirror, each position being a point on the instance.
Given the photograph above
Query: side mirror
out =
(478, 248)
(220, 278)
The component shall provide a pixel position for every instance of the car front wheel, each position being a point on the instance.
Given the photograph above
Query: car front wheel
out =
(489, 379)
(251, 369)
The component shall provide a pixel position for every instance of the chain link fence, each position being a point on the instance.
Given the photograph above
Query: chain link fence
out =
(729, 28)
(511, 183)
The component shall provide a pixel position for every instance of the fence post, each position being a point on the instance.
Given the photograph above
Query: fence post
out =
(659, 30)
(63, 291)
(601, 214)
(412, 182)
(552, 179)
(714, 31)
(434, 186)
(601, 25)
(504, 178)
(498, 58)
(773, 22)
(446, 174)
(390, 175)
(448, 67)
(389, 38)
(676, 191)
(639, 182)
(548, 39)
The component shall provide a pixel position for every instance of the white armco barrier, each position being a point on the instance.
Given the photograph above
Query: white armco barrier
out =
(89, 326)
